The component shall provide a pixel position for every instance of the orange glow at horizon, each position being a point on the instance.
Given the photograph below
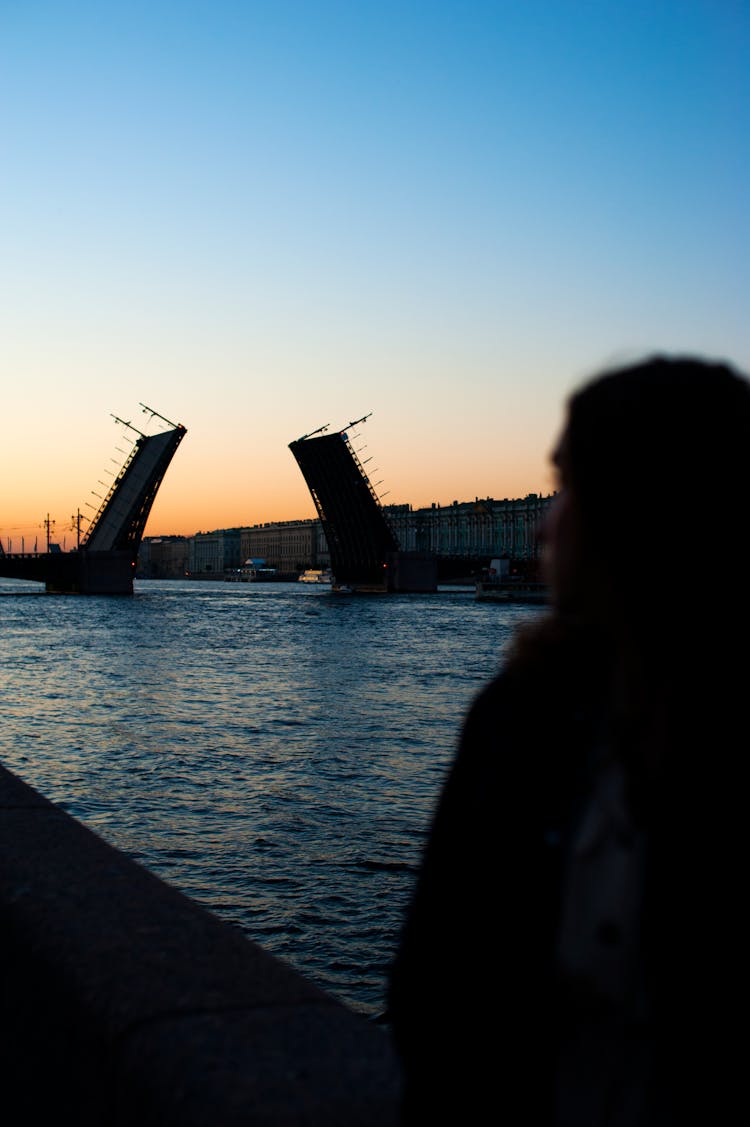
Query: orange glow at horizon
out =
(261, 487)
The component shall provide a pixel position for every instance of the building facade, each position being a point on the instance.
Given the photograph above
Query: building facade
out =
(289, 545)
(213, 553)
(163, 557)
(471, 529)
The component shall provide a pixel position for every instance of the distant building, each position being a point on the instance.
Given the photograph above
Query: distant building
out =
(162, 557)
(475, 531)
(212, 553)
(289, 545)
(471, 529)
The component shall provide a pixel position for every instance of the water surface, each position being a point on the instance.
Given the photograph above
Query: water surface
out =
(273, 750)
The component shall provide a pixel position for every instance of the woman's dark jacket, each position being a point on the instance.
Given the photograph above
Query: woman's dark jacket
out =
(473, 998)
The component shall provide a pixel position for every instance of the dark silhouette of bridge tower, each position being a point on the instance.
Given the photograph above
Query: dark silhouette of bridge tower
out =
(365, 553)
(104, 563)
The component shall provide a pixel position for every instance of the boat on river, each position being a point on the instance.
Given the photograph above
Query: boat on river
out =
(316, 575)
(511, 591)
(250, 574)
(498, 584)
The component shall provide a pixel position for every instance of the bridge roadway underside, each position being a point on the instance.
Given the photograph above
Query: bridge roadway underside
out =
(358, 536)
(81, 572)
(123, 1002)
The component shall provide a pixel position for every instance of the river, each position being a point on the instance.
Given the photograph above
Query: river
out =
(273, 750)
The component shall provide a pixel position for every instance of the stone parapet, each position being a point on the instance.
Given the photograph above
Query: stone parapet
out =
(124, 1002)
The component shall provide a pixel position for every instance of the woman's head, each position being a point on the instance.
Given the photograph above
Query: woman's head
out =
(655, 475)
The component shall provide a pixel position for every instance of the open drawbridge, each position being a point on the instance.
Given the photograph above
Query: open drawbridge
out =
(104, 563)
(365, 554)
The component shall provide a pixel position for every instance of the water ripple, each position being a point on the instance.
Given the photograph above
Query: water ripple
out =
(273, 751)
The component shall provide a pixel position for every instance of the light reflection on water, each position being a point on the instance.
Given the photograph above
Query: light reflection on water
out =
(273, 750)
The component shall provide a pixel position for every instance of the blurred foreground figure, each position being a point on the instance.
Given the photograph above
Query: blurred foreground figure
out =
(575, 953)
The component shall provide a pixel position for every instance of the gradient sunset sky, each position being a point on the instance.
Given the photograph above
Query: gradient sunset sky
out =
(260, 218)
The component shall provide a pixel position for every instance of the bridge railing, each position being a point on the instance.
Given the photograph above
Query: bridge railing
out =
(111, 491)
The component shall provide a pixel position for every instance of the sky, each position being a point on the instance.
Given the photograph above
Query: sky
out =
(260, 218)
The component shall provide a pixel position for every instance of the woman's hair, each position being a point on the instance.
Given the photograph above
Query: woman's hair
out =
(658, 466)
(657, 470)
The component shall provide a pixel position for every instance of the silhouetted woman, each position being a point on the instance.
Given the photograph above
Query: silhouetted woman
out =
(575, 950)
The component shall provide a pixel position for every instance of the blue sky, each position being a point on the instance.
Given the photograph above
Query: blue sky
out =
(264, 217)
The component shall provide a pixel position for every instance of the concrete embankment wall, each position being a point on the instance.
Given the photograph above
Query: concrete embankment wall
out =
(123, 1002)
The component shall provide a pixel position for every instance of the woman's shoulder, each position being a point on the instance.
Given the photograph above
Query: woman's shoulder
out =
(530, 730)
(551, 669)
